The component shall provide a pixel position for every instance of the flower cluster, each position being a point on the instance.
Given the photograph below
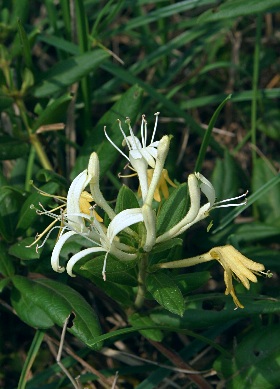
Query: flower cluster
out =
(147, 161)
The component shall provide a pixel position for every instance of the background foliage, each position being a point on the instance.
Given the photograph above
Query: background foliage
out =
(85, 64)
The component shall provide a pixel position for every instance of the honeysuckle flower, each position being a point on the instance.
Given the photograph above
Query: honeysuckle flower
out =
(79, 218)
(88, 226)
(234, 264)
(140, 154)
(104, 240)
(197, 183)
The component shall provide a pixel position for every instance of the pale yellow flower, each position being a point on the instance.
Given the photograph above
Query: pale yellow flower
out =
(236, 264)
(161, 186)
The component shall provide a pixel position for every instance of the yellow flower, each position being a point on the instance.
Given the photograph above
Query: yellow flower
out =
(85, 207)
(161, 186)
(236, 264)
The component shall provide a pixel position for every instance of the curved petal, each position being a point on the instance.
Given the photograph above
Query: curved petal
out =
(56, 251)
(207, 188)
(134, 142)
(75, 258)
(73, 200)
(148, 157)
(152, 150)
(123, 220)
(135, 154)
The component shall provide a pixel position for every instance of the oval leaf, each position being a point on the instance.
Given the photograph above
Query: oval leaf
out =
(51, 302)
(166, 292)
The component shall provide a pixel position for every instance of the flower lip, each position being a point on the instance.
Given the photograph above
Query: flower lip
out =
(138, 149)
(209, 191)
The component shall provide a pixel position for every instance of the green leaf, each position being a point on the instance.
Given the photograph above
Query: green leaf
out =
(54, 112)
(128, 105)
(20, 9)
(26, 51)
(268, 205)
(43, 302)
(59, 43)
(49, 175)
(5, 102)
(192, 281)
(236, 8)
(69, 71)
(207, 310)
(6, 262)
(12, 148)
(173, 209)
(226, 181)
(167, 245)
(122, 294)
(166, 292)
(3, 283)
(126, 199)
(138, 320)
(28, 215)
(32, 354)
(207, 136)
(117, 271)
(269, 122)
(255, 361)
(250, 200)
(19, 250)
(10, 201)
(255, 231)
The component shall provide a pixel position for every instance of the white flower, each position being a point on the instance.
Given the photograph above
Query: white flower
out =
(140, 155)
(103, 240)
(197, 183)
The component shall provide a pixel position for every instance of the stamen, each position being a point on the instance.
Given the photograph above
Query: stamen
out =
(127, 175)
(47, 236)
(133, 141)
(113, 144)
(39, 236)
(216, 205)
(60, 198)
(123, 133)
(142, 132)
(104, 267)
(155, 127)
(267, 274)
(146, 130)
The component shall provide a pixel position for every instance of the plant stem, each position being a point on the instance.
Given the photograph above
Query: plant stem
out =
(35, 141)
(255, 87)
(140, 297)
(40, 152)
(30, 164)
